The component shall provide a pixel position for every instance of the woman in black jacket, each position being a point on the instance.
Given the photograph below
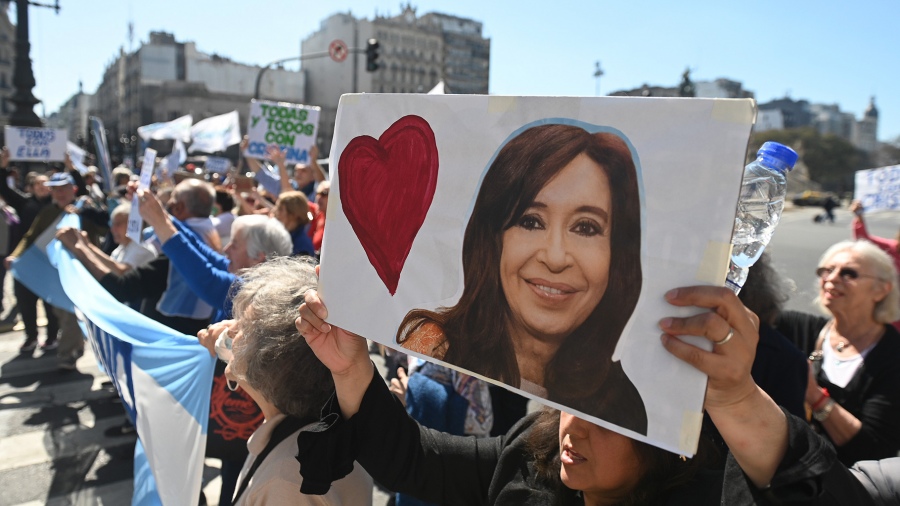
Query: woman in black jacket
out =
(555, 458)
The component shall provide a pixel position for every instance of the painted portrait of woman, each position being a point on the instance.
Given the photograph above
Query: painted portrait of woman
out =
(552, 273)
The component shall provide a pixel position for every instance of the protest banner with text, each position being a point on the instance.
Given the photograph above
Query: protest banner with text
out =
(36, 144)
(878, 189)
(293, 127)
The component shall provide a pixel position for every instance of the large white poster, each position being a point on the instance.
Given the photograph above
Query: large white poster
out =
(530, 240)
(878, 189)
(293, 127)
(36, 144)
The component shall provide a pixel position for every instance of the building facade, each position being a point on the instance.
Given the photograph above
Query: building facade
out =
(827, 119)
(416, 53)
(73, 116)
(165, 79)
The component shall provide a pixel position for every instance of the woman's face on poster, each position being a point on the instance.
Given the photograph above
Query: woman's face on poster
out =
(554, 266)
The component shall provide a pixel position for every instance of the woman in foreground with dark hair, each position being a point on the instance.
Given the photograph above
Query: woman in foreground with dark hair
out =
(555, 227)
(774, 459)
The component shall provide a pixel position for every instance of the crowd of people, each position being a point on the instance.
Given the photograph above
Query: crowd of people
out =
(234, 262)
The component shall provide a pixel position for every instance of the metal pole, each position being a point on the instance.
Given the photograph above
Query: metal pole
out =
(23, 77)
(265, 67)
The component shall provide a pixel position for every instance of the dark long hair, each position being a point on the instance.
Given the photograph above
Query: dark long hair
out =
(662, 472)
(476, 328)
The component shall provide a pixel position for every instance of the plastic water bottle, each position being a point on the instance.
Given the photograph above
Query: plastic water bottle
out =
(759, 208)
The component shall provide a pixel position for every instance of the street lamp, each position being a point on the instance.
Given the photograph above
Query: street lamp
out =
(23, 76)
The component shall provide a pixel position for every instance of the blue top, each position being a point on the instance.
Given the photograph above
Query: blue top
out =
(302, 243)
(204, 269)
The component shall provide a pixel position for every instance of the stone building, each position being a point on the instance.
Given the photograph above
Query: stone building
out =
(827, 119)
(165, 79)
(416, 53)
(73, 116)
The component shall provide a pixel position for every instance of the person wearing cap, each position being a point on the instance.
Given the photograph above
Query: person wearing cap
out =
(27, 205)
(63, 191)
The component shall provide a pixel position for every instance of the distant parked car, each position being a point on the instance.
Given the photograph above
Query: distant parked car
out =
(811, 198)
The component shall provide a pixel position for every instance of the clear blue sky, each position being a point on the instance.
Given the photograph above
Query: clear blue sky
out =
(825, 52)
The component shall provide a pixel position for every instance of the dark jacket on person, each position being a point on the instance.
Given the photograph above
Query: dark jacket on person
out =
(451, 470)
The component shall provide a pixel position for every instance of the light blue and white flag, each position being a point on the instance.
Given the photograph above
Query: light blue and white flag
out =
(179, 128)
(163, 378)
(102, 148)
(216, 133)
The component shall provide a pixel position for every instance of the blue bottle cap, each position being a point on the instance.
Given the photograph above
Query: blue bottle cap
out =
(780, 152)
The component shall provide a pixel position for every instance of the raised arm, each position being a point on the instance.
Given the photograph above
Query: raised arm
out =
(279, 158)
(753, 426)
(318, 172)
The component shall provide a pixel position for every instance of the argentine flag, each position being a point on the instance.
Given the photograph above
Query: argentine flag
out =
(163, 377)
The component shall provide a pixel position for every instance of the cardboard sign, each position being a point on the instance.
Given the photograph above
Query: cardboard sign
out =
(578, 214)
(36, 144)
(878, 189)
(217, 164)
(135, 222)
(293, 127)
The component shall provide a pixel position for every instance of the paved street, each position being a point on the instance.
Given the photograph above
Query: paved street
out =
(52, 444)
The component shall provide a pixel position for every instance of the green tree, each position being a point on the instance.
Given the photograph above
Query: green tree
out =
(832, 161)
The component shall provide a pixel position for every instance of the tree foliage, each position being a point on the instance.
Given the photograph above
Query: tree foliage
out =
(831, 160)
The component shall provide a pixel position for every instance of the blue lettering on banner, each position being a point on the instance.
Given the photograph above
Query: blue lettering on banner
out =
(292, 154)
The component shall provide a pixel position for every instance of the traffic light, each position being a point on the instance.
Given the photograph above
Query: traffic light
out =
(372, 55)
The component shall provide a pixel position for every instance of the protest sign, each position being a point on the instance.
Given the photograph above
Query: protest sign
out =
(413, 176)
(77, 155)
(216, 133)
(99, 135)
(135, 222)
(179, 128)
(878, 189)
(217, 164)
(36, 144)
(293, 127)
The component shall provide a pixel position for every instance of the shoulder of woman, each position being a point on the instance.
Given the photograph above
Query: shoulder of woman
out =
(427, 339)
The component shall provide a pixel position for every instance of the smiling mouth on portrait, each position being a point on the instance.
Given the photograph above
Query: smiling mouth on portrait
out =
(553, 292)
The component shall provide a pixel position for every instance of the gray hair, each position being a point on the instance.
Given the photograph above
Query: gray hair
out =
(271, 356)
(198, 197)
(121, 172)
(263, 235)
(121, 209)
(887, 310)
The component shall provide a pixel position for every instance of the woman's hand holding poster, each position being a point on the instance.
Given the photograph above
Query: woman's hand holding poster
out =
(530, 241)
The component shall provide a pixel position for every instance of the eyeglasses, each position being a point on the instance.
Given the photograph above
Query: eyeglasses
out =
(845, 273)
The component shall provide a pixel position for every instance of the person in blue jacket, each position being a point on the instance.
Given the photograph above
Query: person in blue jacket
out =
(209, 274)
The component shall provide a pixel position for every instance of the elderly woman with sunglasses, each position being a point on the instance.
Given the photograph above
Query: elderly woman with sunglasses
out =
(854, 384)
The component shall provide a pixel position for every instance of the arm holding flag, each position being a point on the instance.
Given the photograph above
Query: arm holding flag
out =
(97, 262)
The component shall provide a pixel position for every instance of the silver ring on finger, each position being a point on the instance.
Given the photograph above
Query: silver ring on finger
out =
(726, 338)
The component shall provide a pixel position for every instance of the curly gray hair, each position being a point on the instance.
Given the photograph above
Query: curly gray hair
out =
(271, 356)
(887, 310)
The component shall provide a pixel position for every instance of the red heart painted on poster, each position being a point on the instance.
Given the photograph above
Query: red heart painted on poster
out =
(386, 188)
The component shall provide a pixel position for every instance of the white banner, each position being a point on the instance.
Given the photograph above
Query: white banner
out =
(77, 155)
(293, 127)
(135, 223)
(216, 133)
(878, 189)
(36, 144)
(179, 128)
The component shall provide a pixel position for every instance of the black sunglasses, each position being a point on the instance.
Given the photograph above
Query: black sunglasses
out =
(845, 273)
